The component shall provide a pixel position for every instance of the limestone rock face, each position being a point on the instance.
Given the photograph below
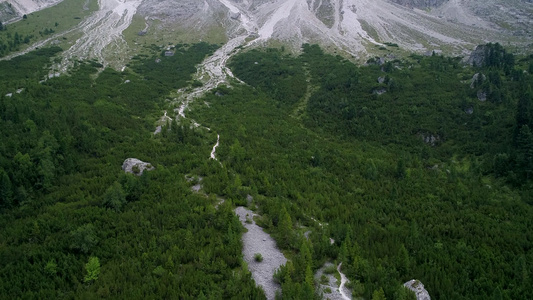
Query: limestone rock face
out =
(136, 166)
(477, 57)
(417, 287)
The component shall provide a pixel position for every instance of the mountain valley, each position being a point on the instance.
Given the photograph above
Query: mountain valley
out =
(266, 149)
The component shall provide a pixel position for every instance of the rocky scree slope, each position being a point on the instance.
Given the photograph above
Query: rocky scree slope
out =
(355, 26)
(358, 28)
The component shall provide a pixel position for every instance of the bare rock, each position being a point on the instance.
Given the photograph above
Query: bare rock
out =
(418, 288)
(136, 166)
(430, 139)
(477, 78)
(379, 91)
(477, 57)
(481, 95)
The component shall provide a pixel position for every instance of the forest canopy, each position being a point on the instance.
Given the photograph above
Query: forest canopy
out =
(419, 167)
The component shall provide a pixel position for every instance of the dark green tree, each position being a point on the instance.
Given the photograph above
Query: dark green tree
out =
(403, 261)
(524, 111)
(6, 190)
(400, 169)
(378, 295)
(114, 197)
(524, 153)
(84, 238)
(285, 228)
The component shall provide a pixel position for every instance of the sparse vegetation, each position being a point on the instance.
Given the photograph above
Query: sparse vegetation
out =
(324, 279)
(331, 269)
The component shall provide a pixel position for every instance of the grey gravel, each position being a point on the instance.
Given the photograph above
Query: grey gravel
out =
(417, 287)
(256, 240)
(332, 284)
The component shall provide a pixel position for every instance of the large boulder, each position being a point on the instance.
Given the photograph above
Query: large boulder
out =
(477, 80)
(418, 288)
(478, 56)
(429, 138)
(136, 166)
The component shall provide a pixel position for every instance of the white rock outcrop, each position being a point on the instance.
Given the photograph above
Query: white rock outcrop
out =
(418, 288)
(136, 166)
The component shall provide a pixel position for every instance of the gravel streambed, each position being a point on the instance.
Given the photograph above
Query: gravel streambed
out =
(258, 241)
(332, 289)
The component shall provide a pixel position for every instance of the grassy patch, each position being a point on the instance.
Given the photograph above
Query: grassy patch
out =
(369, 30)
(158, 34)
(331, 269)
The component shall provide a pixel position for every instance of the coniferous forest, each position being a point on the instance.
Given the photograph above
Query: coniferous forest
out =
(419, 167)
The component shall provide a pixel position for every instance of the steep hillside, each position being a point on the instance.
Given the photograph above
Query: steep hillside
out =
(356, 28)
(14, 9)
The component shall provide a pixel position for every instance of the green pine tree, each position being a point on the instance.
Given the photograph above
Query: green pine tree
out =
(379, 295)
(6, 192)
(93, 269)
(285, 228)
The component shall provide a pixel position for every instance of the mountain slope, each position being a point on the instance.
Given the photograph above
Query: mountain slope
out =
(355, 27)
(352, 25)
